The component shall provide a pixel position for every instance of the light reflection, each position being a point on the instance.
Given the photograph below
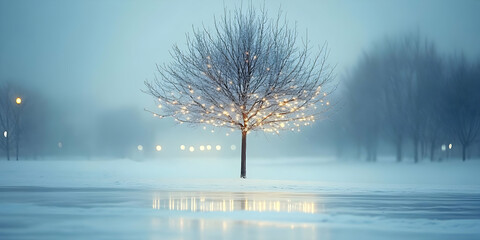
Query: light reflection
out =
(254, 202)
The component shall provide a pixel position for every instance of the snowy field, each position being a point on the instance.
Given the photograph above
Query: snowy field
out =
(204, 199)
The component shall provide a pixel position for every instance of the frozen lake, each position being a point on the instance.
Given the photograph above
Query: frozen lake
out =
(115, 213)
(81, 200)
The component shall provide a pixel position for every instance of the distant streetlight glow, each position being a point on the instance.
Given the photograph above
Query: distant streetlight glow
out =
(18, 100)
(158, 148)
(209, 147)
(444, 147)
(202, 148)
(218, 147)
(191, 149)
(182, 147)
(140, 148)
(450, 146)
(5, 134)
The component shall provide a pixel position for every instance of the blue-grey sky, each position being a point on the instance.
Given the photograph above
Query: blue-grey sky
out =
(88, 56)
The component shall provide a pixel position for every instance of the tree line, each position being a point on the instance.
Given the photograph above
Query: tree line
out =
(404, 92)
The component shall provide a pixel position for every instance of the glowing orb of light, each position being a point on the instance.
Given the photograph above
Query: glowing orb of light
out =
(233, 147)
(158, 148)
(182, 147)
(218, 147)
(140, 148)
(202, 148)
(191, 149)
(18, 100)
(209, 147)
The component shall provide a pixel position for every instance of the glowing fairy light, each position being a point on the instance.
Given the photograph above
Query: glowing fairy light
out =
(158, 148)
(182, 147)
(218, 147)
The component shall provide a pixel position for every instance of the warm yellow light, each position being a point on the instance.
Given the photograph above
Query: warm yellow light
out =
(202, 148)
(182, 147)
(209, 147)
(158, 148)
(218, 147)
(191, 149)
(139, 147)
(18, 100)
(450, 146)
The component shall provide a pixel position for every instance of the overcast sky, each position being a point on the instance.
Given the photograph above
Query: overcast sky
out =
(95, 55)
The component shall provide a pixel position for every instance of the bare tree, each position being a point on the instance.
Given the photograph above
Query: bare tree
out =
(363, 104)
(394, 94)
(248, 74)
(6, 118)
(462, 109)
(10, 111)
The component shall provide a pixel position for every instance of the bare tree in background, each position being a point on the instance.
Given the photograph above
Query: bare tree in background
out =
(461, 105)
(11, 107)
(247, 74)
(363, 104)
(6, 118)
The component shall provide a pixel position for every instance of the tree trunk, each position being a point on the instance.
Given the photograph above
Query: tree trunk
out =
(415, 150)
(399, 149)
(8, 149)
(423, 149)
(17, 139)
(16, 149)
(243, 171)
(432, 151)
(464, 152)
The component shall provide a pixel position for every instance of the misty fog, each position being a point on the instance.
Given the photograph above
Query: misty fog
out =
(80, 67)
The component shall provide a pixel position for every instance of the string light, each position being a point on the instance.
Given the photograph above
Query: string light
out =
(288, 105)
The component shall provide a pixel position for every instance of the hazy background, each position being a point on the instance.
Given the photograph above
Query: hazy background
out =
(81, 65)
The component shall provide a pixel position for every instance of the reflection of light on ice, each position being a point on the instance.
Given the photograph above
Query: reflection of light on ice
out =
(258, 202)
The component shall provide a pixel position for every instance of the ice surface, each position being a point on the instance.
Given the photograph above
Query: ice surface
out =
(204, 199)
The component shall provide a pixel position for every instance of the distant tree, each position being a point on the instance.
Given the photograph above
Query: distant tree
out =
(248, 74)
(11, 106)
(430, 72)
(393, 92)
(6, 118)
(363, 105)
(461, 102)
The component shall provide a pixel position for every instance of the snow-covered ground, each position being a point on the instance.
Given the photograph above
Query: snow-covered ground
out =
(205, 199)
